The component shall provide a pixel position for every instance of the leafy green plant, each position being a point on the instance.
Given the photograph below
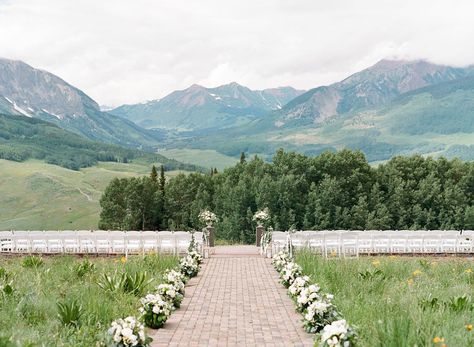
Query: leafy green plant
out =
(32, 261)
(83, 268)
(136, 283)
(429, 303)
(69, 313)
(425, 264)
(370, 275)
(111, 283)
(4, 274)
(460, 303)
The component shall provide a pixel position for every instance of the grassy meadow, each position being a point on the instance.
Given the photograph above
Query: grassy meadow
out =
(30, 315)
(400, 301)
(205, 157)
(39, 196)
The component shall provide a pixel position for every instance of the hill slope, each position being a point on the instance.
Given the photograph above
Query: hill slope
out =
(40, 94)
(22, 138)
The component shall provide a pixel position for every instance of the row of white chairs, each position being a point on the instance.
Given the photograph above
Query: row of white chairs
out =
(97, 242)
(352, 243)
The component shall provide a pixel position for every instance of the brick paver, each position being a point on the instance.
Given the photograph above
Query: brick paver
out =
(236, 300)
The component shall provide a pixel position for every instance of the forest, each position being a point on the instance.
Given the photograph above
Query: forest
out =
(334, 190)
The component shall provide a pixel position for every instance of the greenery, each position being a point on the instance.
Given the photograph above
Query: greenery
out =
(330, 191)
(53, 305)
(22, 138)
(39, 196)
(404, 303)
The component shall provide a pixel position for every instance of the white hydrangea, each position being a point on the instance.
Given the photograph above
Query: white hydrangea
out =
(128, 332)
(298, 284)
(261, 216)
(170, 294)
(188, 266)
(307, 295)
(337, 334)
(280, 260)
(156, 303)
(290, 272)
(207, 217)
(176, 279)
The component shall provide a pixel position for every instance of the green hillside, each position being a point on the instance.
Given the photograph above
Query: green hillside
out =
(37, 196)
(22, 138)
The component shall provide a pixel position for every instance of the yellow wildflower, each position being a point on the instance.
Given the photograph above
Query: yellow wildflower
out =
(444, 345)
(376, 263)
(123, 260)
(410, 281)
(438, 339)
(468, 271)
(468, 327)
(417, 273)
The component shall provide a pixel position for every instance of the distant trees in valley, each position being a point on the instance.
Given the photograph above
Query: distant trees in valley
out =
(330, 191)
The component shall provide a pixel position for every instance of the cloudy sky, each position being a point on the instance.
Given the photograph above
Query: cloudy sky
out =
(121, 51)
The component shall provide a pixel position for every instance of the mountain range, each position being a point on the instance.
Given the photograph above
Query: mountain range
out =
(200, 108)
(393, 107)
(39, 94)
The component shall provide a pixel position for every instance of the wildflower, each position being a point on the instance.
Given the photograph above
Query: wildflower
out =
(438, 339)
(417, 273)
(468, 327)
(410, 281)
(468, 271)
(123, 260)
(376, 263)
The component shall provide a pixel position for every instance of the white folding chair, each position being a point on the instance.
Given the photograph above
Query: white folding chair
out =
(332, 244)
(381, 243)
(38, 242)
(149, 241)
(117, 242)
(183, 239)
(86, 241)
(431, 242)
(166, 242)
(6, 242)
(349, 244)
(133, 242)
(102, 241)
(70, 241)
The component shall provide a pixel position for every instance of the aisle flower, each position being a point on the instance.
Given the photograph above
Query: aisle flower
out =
(299, 283)
(188, 267)
(175, 278)
(170, 294)
(261, 216)
(207, 217)
(319, 313)
(155, 310)
(280, 260)
(128, 332)
(289, 273)
(338, 334)
(196, 256)
(308, 295)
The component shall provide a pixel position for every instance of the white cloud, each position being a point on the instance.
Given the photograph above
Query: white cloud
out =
(121, 51)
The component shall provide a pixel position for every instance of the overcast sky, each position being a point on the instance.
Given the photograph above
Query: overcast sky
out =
(130, 51)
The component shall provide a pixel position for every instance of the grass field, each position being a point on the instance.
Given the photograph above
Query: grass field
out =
(39, 196)
(204, 158)
(400, 301)
(29, 316)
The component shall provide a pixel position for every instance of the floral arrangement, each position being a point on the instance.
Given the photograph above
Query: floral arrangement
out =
(289, 273)
(196, 256)
(128, 332)
(280, 260)
(170, 294)
(155, 310)
(261, 216)
(207, 217)
(338, 334)
(319, 314)
(175, 278)
(308, 295)
(188, 266)
(298, 284)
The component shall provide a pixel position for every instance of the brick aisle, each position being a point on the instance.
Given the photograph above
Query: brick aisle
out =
(236, 300)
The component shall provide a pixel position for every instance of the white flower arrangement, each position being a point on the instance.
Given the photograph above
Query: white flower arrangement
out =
(298, 284)
(338, 334)
(176, 279)
(280, 260)
(128, 332)
(207, 217)
(308, 295)
(188, 267)
(155, 310)
(197, 257)
(170, 294)
(319, 313)
(261, 216)
(289, 273)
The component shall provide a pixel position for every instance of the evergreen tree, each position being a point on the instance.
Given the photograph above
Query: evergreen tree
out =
(242, 158)
(154, 174)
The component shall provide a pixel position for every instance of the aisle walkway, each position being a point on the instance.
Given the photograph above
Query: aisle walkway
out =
(236, 300)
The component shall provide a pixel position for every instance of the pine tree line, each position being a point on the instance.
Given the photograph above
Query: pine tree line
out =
(330, 191)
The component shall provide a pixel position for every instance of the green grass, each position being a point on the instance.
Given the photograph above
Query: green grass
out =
(204, 158)
(30, 316)
(392, 308)
(39, 196)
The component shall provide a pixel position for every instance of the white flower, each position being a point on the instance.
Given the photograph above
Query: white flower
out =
(298, 284)
(127, 332)
(261, 216)
(334, 334)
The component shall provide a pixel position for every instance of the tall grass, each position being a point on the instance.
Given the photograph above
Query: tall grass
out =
(390, 299)
(30, 316)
